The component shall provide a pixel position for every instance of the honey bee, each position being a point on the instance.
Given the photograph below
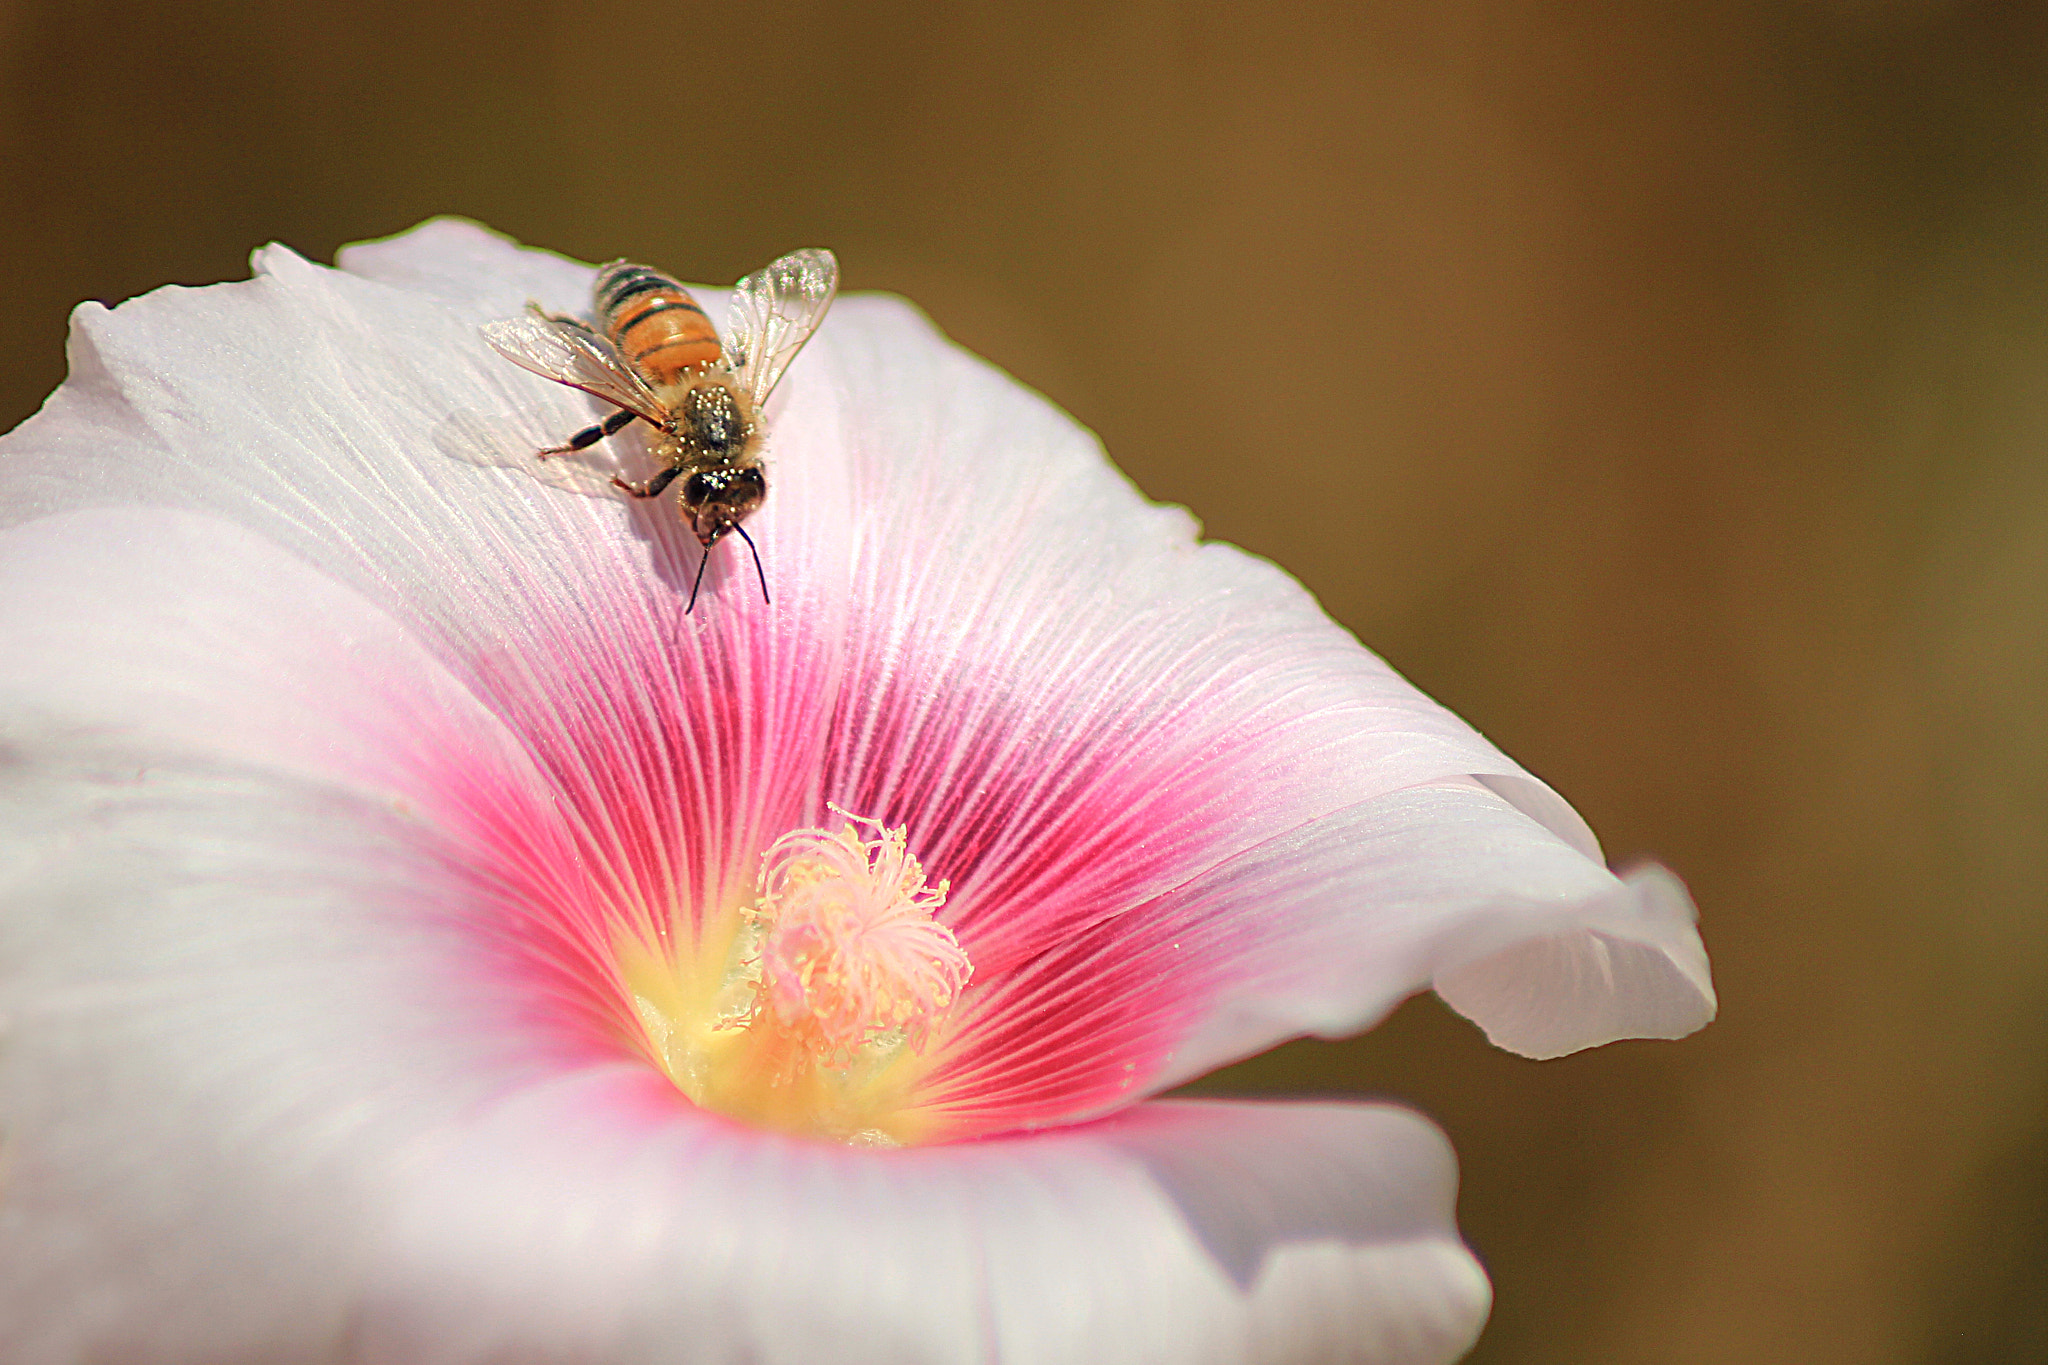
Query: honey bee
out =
(657, 359)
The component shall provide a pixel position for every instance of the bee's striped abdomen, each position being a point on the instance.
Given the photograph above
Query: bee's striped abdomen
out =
(655, 322)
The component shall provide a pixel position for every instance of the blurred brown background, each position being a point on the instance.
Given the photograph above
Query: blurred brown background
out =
(1663, 385)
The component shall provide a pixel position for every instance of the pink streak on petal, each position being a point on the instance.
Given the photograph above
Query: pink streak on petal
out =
(1322, 932)
(1073, 705)
(658, 800)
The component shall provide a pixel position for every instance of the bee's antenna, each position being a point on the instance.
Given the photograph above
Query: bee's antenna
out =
(702, 564)
(757, 561)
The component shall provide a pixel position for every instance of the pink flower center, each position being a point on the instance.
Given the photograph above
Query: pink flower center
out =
(849, 954)
(811, 1009)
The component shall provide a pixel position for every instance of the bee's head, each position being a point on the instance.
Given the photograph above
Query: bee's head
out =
(717, 500)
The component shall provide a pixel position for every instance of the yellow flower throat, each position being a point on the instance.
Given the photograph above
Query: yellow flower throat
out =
(812, 1009)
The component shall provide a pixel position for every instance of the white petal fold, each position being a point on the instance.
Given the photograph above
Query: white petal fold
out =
(1322, 932)
(1449, 885)
(1174, 1233)
(1627, 964)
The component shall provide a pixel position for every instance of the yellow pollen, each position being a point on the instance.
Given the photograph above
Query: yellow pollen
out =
(811, 1009)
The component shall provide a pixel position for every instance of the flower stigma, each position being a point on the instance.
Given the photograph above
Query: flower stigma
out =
(811, 1009)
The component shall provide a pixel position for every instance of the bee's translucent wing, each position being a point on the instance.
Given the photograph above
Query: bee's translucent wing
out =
(774, 311)
(567, 352)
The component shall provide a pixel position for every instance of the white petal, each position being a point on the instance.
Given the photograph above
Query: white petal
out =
(1072, 704)
(469, 267)
(181, 635)
(1446, 885)
(1628, 965)
(312, 408)
(337, 417)
(955, 561)
(1322, 931)
(1075, 707)
(1175, 1234)
(263, 1100)
(215, 984)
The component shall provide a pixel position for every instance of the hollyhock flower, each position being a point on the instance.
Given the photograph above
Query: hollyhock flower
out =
(421, 941)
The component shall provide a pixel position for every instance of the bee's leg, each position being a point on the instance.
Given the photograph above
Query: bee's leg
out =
(654, 487)
(590, 436)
